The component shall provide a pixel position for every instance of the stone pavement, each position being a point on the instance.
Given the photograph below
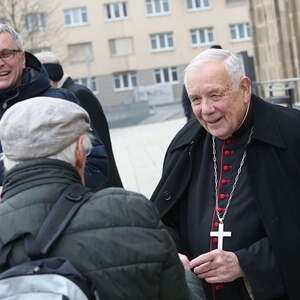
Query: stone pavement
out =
(139, 152)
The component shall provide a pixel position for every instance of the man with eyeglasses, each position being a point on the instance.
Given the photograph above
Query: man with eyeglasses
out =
(22, 76)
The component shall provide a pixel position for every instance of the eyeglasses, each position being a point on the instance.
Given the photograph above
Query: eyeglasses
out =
(9, 53)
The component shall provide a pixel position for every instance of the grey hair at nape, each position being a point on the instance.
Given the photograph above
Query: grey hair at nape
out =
(16, 36)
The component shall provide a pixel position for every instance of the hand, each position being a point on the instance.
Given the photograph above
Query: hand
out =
(185, 261)
(217, 266)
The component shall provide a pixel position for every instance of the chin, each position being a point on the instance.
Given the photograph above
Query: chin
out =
(220, 135)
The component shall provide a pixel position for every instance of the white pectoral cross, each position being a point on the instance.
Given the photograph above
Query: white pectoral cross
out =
(220, 234)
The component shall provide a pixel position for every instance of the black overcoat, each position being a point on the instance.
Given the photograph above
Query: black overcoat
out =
(93, 106)
(273, 163)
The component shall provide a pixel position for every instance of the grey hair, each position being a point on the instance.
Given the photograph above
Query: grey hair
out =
(66, 155)
(15, 36)
(232, 64)
(47, 57)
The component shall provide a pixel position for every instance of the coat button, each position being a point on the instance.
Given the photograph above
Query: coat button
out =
(167, 196)
(227, 168)
(216, 224)
(225, 181)
(223, 196)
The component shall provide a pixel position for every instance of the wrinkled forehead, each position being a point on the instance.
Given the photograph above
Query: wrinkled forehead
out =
(211, 74)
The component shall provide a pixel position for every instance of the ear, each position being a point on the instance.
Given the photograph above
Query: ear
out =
(79, 153)
(80, 158)
(245, 88)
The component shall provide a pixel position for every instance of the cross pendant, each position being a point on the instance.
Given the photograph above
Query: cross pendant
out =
(220, 234)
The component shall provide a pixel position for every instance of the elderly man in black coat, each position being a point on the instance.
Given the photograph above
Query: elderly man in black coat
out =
(230, 185)
(89, 102)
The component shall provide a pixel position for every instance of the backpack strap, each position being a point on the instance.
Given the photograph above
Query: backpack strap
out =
(59, 217)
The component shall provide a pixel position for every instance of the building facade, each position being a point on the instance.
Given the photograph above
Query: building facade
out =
(126, 50)
(276, 42)
(276, 38)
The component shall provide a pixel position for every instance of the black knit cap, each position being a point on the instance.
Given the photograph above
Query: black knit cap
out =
(55, 71)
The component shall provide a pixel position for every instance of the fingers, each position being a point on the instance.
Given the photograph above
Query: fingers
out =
(217, 266)
(202, 259)
(185, 261)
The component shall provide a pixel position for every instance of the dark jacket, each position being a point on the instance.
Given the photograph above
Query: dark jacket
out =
(116, 238)
(186, 104)
(273, 163)
(35, 82)
(92, 105)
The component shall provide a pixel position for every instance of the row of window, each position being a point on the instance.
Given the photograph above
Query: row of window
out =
(158, 42)
(128, 80)
(113, 11)
(119, 10)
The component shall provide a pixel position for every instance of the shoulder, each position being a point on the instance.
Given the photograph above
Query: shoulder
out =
(186, 135)
(125, 208)
(286, 118)
(61, 93)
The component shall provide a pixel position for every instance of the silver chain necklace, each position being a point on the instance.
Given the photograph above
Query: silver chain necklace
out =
(221, 219)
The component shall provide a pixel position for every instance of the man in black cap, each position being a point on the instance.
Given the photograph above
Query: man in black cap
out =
(89, 102)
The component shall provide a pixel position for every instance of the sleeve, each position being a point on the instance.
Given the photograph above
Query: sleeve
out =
(96, 169)
(262, 273)
(186, 104)
(98, 119)
(176, 283)
(1, 171)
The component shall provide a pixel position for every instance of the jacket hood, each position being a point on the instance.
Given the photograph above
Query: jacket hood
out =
(35, 81)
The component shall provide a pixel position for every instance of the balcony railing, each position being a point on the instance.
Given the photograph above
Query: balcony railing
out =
(280, 91)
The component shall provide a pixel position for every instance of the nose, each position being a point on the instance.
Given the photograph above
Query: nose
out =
(207, 107)
(2, 61)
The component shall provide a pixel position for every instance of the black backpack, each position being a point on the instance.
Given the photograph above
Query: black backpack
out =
(42, 277)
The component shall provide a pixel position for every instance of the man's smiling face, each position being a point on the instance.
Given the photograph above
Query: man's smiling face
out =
(11, 67)
(218, 107)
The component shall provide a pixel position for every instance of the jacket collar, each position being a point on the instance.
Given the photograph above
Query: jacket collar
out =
(266, 126)
(35, 81)
(188, 135)
(37, 172)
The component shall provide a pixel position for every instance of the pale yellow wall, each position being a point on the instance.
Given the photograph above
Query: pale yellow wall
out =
(140, 26)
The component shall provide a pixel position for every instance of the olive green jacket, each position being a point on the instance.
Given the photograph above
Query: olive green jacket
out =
(116, 238)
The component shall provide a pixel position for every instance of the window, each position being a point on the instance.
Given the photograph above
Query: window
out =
(80, 52)
(157, 7)
(125, 81)
(121, 46)
(88, 82)
(197, 4)
(202, 36)
(240, 32)
(162, 41)
(76, 16)
(35, 22)
(116, 10)
(166, 75)
(228, 2)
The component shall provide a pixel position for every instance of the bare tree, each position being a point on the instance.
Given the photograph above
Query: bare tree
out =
(31, 19)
